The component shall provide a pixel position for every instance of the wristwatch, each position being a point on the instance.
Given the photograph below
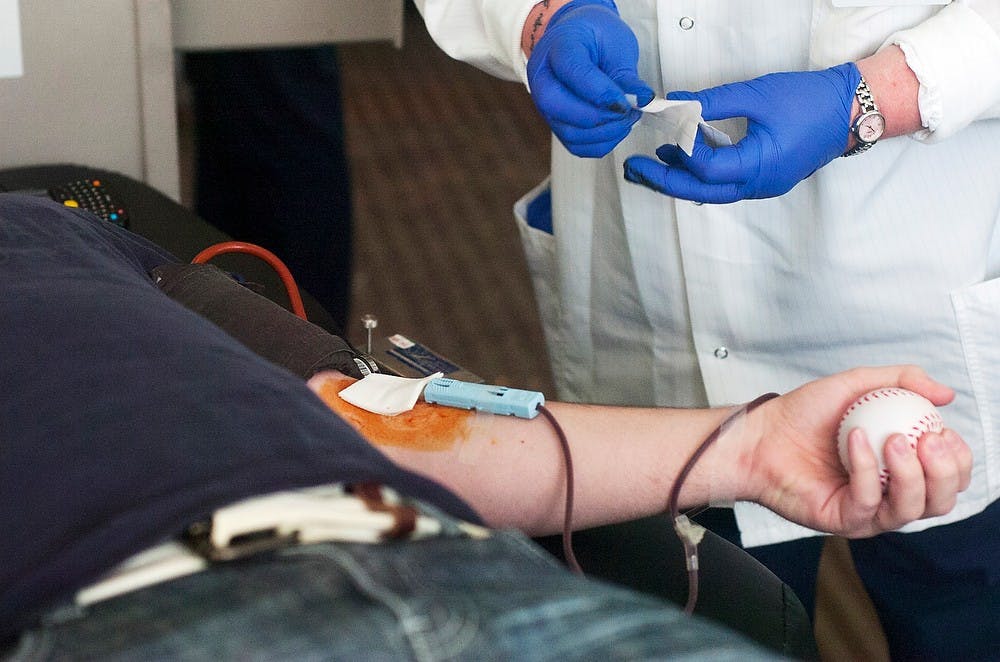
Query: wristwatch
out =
(869, 126)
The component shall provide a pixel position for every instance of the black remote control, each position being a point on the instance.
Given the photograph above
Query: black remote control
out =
(91, 194)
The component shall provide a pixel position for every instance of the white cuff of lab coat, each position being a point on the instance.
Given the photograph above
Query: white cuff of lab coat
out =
(485, 34)
(954, 55)
(504, 26)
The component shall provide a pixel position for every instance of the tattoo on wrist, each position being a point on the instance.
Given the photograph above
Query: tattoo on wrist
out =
(538, 26)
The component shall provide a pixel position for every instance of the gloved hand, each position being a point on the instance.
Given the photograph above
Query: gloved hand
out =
(579, 73)
(797, 122)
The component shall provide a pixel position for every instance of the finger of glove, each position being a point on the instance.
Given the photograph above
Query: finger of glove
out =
(560, 105)
(730, 164)
(725, 101)
(584, 142)
(591, 150)
(628, 80)
(574, 67)
(671, 154)
(825, 91)
(678, 182)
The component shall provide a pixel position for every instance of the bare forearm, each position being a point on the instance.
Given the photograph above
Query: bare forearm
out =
(513, 471)
(624, 465)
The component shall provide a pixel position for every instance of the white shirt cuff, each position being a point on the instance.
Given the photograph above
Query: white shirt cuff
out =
(486, 33)
(954, 55)
(504, 26)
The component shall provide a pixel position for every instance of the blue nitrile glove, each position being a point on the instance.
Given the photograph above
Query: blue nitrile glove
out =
(797, 122)
(579, 73)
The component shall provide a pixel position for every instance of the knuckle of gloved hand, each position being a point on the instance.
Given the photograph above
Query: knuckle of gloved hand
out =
(586, 150)
(579, 69)
(590, 143)
(597, 151)
(572, 140)
(545, 98)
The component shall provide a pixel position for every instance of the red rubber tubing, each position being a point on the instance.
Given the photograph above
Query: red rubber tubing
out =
(294, 298)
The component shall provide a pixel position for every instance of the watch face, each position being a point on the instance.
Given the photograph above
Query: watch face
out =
(871, 127)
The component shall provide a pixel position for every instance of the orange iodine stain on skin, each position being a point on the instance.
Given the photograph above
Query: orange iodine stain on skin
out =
(425, 428)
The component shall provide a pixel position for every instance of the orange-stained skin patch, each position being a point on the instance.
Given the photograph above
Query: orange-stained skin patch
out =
(425, 428)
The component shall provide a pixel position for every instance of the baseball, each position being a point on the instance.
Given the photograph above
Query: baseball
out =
(883, 412)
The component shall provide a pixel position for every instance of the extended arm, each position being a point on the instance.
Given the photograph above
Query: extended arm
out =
(782, 456)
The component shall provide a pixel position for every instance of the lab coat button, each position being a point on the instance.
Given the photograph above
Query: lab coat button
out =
(721, 353)
(686, 23)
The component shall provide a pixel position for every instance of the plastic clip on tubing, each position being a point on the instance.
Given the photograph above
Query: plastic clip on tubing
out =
(294, 298)
(690, 533)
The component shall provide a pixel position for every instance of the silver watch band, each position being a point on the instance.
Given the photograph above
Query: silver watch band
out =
(868, 106)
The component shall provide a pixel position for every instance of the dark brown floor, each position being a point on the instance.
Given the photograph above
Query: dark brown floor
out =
(439, 152)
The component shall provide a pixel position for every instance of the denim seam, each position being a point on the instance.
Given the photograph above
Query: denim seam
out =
(410, 623)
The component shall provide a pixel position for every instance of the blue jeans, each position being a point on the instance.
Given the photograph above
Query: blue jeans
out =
(501, 598)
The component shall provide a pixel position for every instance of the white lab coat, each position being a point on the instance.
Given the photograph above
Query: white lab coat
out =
(892, 256)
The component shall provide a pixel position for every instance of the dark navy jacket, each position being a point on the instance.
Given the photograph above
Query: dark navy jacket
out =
(125, 417)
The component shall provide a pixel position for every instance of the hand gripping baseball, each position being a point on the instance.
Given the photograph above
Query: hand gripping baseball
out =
(797, 122)
(579, 73)
(798, 472)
